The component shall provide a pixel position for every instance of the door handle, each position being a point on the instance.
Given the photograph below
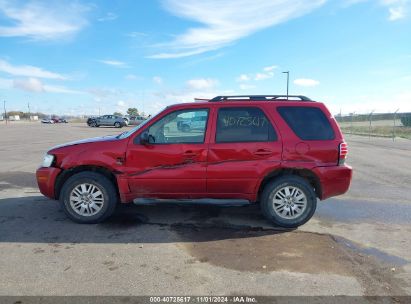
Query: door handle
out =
(263, 152)
(189, 154)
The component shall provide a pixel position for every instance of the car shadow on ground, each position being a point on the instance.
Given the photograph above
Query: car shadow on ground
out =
(36, 219)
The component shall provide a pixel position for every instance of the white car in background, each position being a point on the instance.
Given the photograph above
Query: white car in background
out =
(47, 121)
(136, 120)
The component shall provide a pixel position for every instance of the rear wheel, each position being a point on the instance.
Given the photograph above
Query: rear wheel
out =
(88, 197)
(288, 201)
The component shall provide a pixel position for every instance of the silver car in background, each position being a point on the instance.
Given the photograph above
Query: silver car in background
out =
(107, 120)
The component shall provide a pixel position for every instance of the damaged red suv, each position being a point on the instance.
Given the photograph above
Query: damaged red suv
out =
(282, 152)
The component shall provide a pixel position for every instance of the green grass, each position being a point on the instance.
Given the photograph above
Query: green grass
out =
(379, 131)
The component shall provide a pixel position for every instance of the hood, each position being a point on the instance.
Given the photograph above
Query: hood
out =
(87, 141)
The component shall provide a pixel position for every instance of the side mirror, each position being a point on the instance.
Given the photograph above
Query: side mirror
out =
(144, 138)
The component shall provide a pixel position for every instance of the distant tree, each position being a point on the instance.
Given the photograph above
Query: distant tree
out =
(118, 114)
(132, 111)
(406, 120)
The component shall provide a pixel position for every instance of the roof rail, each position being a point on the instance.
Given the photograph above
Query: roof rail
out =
(259, 97)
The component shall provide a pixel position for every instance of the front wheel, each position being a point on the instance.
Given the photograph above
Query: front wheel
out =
(88, 198)
(117, 125)
(288, 201)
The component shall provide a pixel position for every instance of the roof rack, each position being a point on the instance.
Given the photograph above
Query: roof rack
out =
(259, 97)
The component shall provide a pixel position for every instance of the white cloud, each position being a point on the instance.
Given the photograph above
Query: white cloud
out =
(270, 68)
(36, 85)
(266, 73)
(121, 106)
(121, 103)
(30, 85)
(225, 22)
(103, 93)
(60, 89)
(396, 13)
(202, 83)
(131, 77)
(305, 82)
(262, 76)
(158, 79)
(136, 34)
(397, 9)
(243, 78)
(114, 63)
(108, 17)
(244, 86)
(28, 71)
(47, 20)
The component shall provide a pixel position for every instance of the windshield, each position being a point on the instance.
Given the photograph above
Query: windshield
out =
(128, 133)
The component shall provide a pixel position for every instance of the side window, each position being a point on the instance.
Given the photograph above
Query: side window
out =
(247, 124)
(308, 123)
(185, 126)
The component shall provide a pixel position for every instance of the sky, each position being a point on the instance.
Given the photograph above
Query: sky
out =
(89, 58)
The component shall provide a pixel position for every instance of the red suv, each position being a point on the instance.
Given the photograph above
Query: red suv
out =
(282, 152)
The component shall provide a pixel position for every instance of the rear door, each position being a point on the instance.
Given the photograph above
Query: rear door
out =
(244, 148)
(106, 120)
(101, 120)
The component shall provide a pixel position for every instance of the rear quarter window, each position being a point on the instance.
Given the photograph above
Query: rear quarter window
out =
(307, 123)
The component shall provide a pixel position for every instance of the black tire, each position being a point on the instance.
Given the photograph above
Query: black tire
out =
(267, 205)
(103, 184)
(117, 124)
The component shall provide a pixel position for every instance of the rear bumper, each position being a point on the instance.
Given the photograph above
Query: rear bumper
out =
(46, 179)
(334, 180)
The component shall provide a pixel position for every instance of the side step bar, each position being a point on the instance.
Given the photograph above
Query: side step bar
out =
(202, 201)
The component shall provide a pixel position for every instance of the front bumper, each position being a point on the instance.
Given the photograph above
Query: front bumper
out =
(46, 179)
(334, 180)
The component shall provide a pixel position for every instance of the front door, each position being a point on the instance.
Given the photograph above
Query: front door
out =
(173, 163)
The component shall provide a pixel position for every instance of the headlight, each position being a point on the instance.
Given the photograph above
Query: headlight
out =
(47, 160)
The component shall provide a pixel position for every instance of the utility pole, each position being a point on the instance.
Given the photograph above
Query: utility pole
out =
(28, 106)
(369, 128)
(288, 80)
(352, 119)
(393, 129)
(5, 112)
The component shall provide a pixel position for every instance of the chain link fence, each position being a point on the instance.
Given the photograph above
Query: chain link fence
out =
(392, 125)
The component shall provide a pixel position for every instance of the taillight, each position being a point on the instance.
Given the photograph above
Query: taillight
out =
(342, 153)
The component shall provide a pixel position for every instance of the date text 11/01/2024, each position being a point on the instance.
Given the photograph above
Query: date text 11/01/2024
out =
(203, 299)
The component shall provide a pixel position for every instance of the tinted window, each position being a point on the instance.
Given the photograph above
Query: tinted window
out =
(307, 123)
(248, 124)
(186, 126)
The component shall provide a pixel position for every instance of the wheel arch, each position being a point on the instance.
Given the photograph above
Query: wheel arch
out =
(66, 174)
(307, 174)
